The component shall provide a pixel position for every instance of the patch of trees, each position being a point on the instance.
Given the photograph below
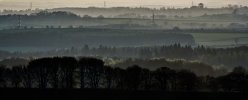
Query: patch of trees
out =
(198, 68)
(229, 57)
(9, 62)
(233, 16)
(213, 56)
(68, 72)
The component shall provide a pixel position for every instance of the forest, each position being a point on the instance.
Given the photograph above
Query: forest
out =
(87, 72)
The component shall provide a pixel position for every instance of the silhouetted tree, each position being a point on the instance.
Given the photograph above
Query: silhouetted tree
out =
(214, 84)
(119, 78)
(16, 76)
(109, 76)
(54, 67)
(67, 68)
(2, 77)
(164, 76)
(28, 77)
(41, 71)
(235, 81)
(82, 68)
(133, 77)
(186, 80)
(147, 77)
(93, 68)
(60, 72)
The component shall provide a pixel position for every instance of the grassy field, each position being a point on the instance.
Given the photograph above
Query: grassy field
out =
(94, 37)
(220, 39)
(12, 40)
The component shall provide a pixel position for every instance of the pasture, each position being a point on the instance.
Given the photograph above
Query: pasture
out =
(221, 39)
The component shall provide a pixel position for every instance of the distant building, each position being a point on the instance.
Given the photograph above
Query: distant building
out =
(200, 5)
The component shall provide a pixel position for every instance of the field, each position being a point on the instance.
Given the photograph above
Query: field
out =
(67, 38)
(45, 39)
(221, 39)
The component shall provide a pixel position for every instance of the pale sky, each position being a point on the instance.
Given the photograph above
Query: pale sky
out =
(25, 4)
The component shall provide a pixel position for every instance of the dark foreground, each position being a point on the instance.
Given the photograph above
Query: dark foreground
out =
(78, 94)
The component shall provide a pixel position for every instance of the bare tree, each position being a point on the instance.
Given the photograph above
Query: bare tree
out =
(2, 76)
(16, 76)
(94, 69)
(68, 66)
(164, 76)
(41, 70)
(133, 77)
(109, 76)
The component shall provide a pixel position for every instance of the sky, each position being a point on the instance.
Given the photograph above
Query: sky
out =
(45, 4)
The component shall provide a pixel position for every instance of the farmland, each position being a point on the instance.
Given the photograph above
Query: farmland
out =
(220, 39)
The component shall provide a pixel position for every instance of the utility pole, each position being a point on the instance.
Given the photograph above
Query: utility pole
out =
(19, 22)
(236, 40)
(31, 5)
(153, 17)
(104, 4)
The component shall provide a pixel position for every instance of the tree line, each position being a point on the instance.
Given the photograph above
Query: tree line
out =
(87, 72)
(236, 56)
(229, 57)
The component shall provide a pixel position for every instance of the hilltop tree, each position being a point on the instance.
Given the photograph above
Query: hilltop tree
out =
(2, 76)
(186, 80)
(93, 68)
(28, 77)
(133, 77)
(164, 76)
(109, 76)
(119, 78)
(41, 71)
(67, 69)
(82, 68)
(16, 76)
(237, 80)
(54, 74)
(147, 77)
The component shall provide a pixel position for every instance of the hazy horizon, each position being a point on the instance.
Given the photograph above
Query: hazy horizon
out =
(46, 4)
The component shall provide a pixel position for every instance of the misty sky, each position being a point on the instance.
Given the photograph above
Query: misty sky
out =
(24, 4)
